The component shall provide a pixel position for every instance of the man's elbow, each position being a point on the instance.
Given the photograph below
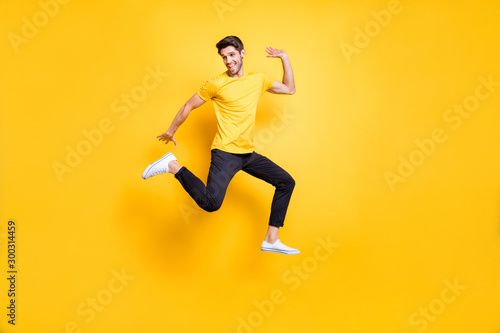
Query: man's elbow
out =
(187, 108)
(291, 91)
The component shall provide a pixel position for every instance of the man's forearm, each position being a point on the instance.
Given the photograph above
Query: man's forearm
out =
(288, 73)
(179, 118)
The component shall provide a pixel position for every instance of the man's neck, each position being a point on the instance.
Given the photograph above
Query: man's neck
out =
(237, 75)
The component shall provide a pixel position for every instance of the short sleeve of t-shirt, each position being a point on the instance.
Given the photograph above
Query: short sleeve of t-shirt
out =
(207, 91)
(267, 83)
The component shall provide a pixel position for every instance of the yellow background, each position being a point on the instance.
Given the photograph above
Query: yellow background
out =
(352, 119)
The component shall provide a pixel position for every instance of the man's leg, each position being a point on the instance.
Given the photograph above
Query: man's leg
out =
(222, 169)
(263, 168)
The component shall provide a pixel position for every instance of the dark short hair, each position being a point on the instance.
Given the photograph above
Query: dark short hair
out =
(230, 41)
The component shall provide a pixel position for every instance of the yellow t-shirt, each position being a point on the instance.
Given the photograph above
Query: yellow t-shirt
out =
(235, 103)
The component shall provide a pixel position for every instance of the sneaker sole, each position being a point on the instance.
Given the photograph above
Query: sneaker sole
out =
(279, 251)
(154, 163)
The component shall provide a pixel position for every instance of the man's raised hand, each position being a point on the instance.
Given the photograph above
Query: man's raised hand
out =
(275, 53)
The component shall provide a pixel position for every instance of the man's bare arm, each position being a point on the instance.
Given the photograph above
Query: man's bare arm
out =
(194, 102)
(287, 86)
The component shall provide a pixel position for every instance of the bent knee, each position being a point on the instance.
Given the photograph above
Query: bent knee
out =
(287, 184)
(212, 207)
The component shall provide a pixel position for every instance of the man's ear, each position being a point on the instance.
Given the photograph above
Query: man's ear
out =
(243, 53)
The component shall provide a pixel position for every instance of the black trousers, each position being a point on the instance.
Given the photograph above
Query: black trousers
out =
(224, 166)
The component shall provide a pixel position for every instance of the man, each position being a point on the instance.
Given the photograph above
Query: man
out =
(234, 94)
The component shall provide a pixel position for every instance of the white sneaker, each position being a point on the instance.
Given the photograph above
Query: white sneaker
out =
(158, 166)
(278, 247)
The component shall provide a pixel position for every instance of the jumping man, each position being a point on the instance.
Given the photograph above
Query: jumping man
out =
(235, 95)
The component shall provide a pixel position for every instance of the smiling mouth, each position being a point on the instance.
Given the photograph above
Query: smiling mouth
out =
(231, 66)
